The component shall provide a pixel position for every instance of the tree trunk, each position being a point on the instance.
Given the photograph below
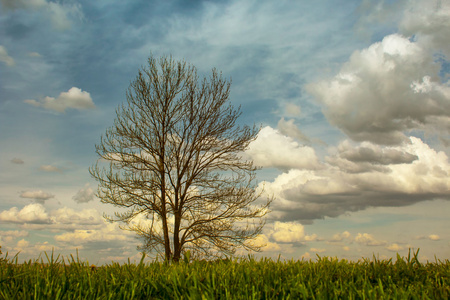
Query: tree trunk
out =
(176, 237)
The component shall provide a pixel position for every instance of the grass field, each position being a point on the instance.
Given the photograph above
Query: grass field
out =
(245, 278)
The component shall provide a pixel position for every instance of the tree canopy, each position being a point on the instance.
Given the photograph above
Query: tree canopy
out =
(174, 161)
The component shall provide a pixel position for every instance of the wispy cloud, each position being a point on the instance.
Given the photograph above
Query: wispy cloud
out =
(49, 168)
(60, 14)
(39, 195)
(4, 57)
(17, 161)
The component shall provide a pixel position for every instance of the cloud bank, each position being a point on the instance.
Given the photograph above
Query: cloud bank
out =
(357, 177)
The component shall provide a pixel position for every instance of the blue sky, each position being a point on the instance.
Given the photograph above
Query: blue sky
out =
(353, 98)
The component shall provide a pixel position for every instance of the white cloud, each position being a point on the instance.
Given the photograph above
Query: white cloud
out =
(338, 237)
(272, 149)
(33, 213)
(4, 57)
(35, 217)
(75, 98)
(394, 247)
(368, 240)
(69, 216)
(434, 237)
(110, 232)
(382, 91)
(310, 238)
(84, 195)
(263, 240)
(287, 232)
(22, 244)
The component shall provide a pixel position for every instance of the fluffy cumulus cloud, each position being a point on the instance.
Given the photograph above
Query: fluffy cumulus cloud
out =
(339, 237)
(395, 247)
(4, 57)
(382, 91)
(33, 214)
(267, 245)
(74, 98)
(359, 177)
(273, 149)
(429, 22)
(368, 240)
(282, 236)
(84, 195)
(288, 232)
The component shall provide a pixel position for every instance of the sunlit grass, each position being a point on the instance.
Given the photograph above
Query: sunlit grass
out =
(245, 278)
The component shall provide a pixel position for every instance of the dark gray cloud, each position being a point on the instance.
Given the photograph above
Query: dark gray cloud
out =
(368, 157)
(378, 156)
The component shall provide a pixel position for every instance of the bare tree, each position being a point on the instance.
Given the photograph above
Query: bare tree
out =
(174, 158)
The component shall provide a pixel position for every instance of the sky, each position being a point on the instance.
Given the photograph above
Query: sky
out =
(353, 100)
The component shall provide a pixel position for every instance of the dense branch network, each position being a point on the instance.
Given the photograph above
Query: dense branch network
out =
(173, 159)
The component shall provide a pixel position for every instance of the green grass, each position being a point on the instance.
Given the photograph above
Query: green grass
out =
(246, 278)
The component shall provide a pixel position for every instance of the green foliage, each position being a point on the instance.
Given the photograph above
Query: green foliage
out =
(246, 278)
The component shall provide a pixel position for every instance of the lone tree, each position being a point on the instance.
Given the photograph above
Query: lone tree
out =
(173, 158)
